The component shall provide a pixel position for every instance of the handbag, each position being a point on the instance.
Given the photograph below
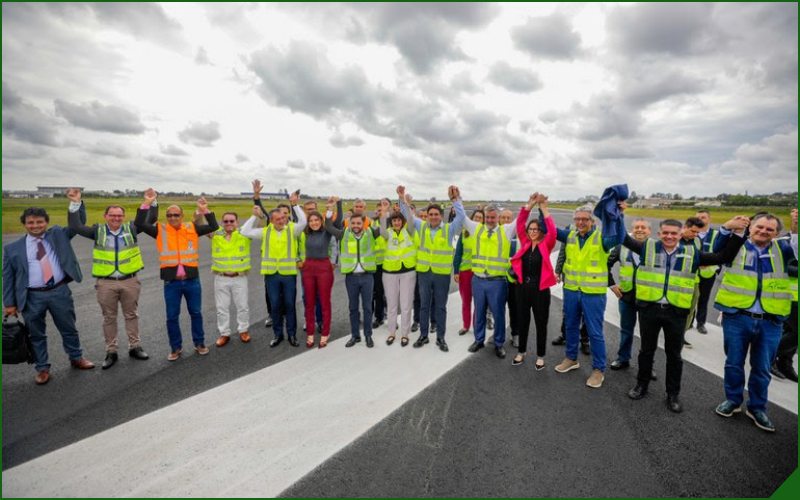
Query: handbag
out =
(17, 346)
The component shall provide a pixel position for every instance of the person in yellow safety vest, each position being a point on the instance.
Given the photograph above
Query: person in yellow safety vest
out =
(434, 262)
(783, 366)
(378, 293)
(399, 271)
(462, 261)
(230, 263)
(755, 296)
(279, 257)
(689, 235)
(628, 263)
(664, 282)
(179, 257)
(116, 258)
(709, 239)
(357, 263)
(490, 265)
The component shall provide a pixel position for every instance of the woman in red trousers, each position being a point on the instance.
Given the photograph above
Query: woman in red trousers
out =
(317, 276)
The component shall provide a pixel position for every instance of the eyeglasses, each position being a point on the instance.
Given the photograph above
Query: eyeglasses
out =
(581, 219)
(228, 221)
(533, 229)
(173, 215)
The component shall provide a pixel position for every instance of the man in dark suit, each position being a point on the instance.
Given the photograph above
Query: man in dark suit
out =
(36, 271)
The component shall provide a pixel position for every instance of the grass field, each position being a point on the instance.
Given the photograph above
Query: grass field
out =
(57, 209)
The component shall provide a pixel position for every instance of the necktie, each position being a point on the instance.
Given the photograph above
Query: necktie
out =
(44, 261)
(491, 231)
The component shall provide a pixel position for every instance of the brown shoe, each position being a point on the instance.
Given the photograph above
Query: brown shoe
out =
(244, 337)
(42, 377)
(201, 350)
(82, 364)
(567, 365)
(595, 380)
(174, 355)
(222, 340)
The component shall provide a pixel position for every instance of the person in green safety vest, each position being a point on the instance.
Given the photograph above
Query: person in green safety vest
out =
(755, 296)
(116, 258)
(708, 237)
(783, 366)
(462, 262)
(664, 283)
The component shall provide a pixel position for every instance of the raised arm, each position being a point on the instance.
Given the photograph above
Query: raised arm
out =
(458, 222)
(411, 218)
(301, 220)
(202, 208)
(257, 187)
(142, 221)
(248, 229)
(73, 215)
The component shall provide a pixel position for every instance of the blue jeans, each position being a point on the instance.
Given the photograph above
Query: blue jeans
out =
(359, 286)
(433, 291)
(489, 293)
(282, 291)
(173, 291)
(627, 322)
(592, 306)
(761, 337)
(59, 302)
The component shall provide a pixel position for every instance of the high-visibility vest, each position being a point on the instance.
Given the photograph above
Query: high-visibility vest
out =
(435, 254)
(739, 286)
(709, 271)
(401, 250)
(380, 250)
(651, 276)
(586, 269)
(178, 246)
(127, 258)
(490, 255)
(626, 270)
(354, 250)
(467, 246)
(230, 256)
(279, 251)
(793, 288)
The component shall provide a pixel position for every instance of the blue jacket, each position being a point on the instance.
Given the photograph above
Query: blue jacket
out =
(15, 265)
(607, 209)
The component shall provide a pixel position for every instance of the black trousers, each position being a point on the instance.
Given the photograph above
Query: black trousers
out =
(513, 315)
(530, 299)
(788, 346)
(378, 296)
(652, 319)
(417, 304)
(704, 294)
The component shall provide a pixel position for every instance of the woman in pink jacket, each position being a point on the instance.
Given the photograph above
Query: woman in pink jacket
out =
(534, 272)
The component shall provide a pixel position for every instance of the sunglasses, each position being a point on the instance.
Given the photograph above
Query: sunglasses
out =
(228, 221)
(173, 215)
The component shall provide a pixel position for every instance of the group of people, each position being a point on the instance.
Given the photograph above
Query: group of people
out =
(498, 263)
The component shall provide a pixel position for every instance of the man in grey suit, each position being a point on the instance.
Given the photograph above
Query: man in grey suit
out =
(36, 271)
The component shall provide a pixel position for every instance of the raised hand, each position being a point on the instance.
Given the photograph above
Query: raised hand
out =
(623, 205)
(794, 220)
(258, 212)
(257, 187)
(401, 192)
(150, 196)
(385, 207)
(202, 205)
(74, 195)
(532, 200)
(294, 197)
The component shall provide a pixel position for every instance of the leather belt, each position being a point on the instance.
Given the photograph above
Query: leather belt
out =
(229, 275)
(48, 288)
(753, 315)
(118, 278)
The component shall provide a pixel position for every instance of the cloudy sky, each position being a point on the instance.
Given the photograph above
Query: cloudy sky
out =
(348, 99)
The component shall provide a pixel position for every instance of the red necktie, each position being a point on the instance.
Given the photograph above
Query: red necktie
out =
(44, 261)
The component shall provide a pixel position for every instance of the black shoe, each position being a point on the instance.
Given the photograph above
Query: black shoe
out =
(475, 347)
(560, 340)
(319, 328)
(268, 321)
(619, 365)
(653, 375)
(674, 404)
(276, 341)
(637, 392)
(138, 353)
(687, 345)
(463, 331)
(293, 341)
(787, 370)
(377, 323)
(370, 343)
(353, 341)
(421, 341)
(776, 373)
(500, 352)
(111, 358)
(515, 341)
(586, 349)
(442, 345)
(702, 329)
(414, 326)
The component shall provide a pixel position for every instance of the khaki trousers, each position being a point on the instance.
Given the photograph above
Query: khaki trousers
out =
(112, 293)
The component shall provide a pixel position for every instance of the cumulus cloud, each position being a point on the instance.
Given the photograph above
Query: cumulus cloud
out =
(339, 140)
(549, 37)
(143, 20)
(173, 150)
(26, 122)
(100, 117)
(201, 57)
(200, 134)
(240, 158)
(514, 79)
(109, 149)
(773, 161)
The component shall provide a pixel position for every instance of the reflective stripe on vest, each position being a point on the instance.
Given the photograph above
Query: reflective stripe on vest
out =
(626, 270)
(709, 271)
(490, 255)
(586, 269)
(435, 254)
(467, 246)
(127, 259)
(279, 252)
(739, 286)
(178, 246)
(651, 275)
(230, 256)
(354, 250)
(401, 250)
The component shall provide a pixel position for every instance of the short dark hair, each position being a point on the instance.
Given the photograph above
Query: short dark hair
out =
(768, 216)
(114, 206)
(397, 215)
(695, 222)
(284, 205)
(34, 212)
(670, 222)
(274, 211)
(314, 213)
(702, 211)
(435, 206)
(357, 216)
(235, 215)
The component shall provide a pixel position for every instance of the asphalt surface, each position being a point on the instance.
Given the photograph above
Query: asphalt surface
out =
(478, 431)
